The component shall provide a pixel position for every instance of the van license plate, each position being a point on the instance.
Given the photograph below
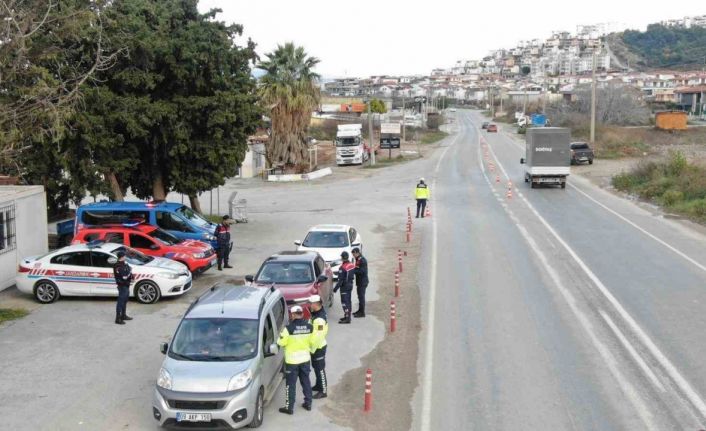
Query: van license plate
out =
(193, 417)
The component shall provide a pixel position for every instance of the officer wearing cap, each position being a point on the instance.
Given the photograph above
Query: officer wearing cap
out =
(224, 245)
(346, 275)
(421, 194)
(297, 340)
(361, 280)
(123, 277)
(319, 323)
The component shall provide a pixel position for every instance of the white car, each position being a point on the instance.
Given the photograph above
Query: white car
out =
(330, 240)
(87, 270)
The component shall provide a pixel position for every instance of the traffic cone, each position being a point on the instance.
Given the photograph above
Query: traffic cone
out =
(428, 213)
(509, 194)
(497, 178)
(509, 185)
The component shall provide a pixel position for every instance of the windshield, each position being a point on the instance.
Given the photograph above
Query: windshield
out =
(215, 340)
(581, 146)
(347, 142)
(326, 240)
(193, 217)
(286, 273)
(134, 257)
(164, 237)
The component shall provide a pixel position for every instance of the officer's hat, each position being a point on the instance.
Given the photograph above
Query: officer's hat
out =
(314, 298)
(296, 309)
(120, 254)
(344, 255)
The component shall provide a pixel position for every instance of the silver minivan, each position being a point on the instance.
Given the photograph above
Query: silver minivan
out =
(223, 364)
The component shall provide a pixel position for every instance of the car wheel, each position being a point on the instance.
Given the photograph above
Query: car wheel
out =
(259, 413)
(590, 162)
(563, 185)
(147, 292)
(46, 292)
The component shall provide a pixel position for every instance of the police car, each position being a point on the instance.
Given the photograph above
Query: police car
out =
(87, 270)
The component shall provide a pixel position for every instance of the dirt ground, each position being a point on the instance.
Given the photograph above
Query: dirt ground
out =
(394, 360)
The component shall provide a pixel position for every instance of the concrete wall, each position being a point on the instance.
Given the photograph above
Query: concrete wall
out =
(30, 228)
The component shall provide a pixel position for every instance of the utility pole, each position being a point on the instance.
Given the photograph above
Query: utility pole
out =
(370, 133)
(546, 93)
(404, 128)
(501, 100)
(593, 99)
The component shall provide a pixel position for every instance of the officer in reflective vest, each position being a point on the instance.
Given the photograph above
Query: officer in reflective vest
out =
(319, 322)
(421, 194)
(297, 339)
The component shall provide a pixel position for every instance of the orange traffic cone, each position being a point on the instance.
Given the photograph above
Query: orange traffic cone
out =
(509, 194)
(497, 178)
(428, 213)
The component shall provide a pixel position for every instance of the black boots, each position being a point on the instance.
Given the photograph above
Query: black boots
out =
(345, 319)
(285, 410)
(359, 314)
(126, 317)
(319, 395)
(119, 319)
(227, 266)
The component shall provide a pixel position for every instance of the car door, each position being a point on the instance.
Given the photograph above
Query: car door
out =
(271, 364)
(104, 283)
(71, 272)
(145, 244)
(325, 288)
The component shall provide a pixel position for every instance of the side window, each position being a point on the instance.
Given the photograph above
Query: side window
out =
(268, 335)
(139, 241)
(91, 237)
(278, 311)
(115, 237)
(318, 267)
(352, 233)
(100, 260)
(79, 258)
(169, 221)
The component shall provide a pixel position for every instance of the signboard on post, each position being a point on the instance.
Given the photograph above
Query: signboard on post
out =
(390, 128)
(390, 136)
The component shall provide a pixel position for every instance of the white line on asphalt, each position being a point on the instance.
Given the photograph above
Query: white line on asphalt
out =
(673, 372)
(631, 350)
(427, 380)
(628, 389)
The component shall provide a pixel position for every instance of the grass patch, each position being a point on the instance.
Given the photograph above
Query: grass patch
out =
(383, 161)
(675, 184)
(7, 314)
(432, 136)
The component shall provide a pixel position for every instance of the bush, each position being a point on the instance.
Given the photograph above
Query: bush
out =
(671, 198)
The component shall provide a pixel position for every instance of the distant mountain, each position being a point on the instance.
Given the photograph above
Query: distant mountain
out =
(660, 47)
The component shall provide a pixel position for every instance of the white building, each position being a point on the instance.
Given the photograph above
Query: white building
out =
(23, 228)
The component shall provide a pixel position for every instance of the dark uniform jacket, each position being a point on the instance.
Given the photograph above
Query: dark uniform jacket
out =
(346, 274)
(122, 273)
(361, 271)
(223, 236)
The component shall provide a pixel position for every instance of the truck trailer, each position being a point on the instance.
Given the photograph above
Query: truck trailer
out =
(547, 156)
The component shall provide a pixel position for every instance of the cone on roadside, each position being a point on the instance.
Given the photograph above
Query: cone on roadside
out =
(497, 178)
(509, 194)
(428, 212)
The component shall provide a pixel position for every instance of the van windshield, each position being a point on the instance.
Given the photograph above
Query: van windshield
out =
(193, 217)
(347, 142)
(215, 339)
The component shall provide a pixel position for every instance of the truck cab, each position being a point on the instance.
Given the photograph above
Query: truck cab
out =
(350, 146)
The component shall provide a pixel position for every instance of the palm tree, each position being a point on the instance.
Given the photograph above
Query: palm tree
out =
(289, 92)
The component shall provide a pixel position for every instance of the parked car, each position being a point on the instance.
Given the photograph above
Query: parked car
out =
(298, 274)
(198, 256)
(177, 219)
(492, 128)
(87, 270)
(223, 364)
(485, 125)
(330, 240)
(581, 152)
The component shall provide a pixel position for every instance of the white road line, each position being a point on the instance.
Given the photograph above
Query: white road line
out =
(631, 350)
(427, 380)
(668, 366)
(628, 389)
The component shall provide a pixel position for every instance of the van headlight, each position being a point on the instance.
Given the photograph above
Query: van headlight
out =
(165, 379)
(209, 237)
(239, 381)
(168, 275)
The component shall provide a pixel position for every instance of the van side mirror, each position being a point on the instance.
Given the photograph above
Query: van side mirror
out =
(522, 161)
(322, 278)
(163, 347)
(249, 278)
(271, 350)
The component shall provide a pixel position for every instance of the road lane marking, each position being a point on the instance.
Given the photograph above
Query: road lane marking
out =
(628, 389)
(668, 366)
(427, 380)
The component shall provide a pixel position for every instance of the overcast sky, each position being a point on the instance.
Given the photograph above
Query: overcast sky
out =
(366, 37)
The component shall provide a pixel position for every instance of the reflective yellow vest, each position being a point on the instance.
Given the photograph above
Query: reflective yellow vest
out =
(297, 339)
(421, 192)
(320, 326)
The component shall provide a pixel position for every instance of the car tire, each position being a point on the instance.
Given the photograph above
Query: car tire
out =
(590, 162)
(147, 292)
(259, 413)
(563, 185)
(46, 292)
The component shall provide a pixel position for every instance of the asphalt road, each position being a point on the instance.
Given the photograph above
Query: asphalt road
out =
(554, 309)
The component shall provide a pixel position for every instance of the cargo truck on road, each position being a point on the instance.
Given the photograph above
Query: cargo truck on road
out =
(547, 156)
(350, 147)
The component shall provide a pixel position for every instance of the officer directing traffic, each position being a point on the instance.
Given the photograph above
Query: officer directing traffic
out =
(123, 277)
(319, 323)
(361, 280)
(298, 342)
(346, 274)
(421, 193)
(224, 246)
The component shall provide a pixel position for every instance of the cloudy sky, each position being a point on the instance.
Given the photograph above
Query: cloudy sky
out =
(366, 37)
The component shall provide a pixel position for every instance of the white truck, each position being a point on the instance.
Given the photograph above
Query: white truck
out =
(350, 147)
(547, 156)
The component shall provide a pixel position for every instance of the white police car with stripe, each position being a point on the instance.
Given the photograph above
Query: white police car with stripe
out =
(87, 270)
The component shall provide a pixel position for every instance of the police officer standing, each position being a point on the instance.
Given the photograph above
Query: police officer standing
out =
(319, 323)
(224, 245)
(123, 277)
(298, 342)
(421, 193)
(361, 280)
(346, 274)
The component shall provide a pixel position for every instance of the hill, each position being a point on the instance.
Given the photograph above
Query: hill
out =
(660, 47)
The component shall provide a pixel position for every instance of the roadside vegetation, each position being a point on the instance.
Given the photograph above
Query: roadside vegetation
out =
(427, 137)
(7, 314)
(675, 184)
